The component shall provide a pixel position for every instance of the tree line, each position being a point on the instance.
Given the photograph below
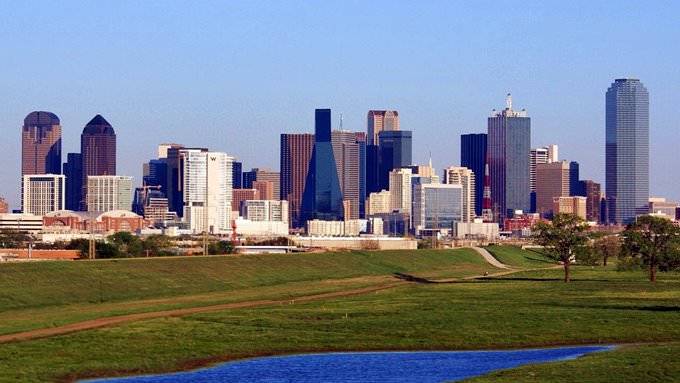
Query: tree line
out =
(650, 242)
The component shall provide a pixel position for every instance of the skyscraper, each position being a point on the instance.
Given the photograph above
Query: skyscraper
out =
(542, 155)
(41, 144)
(322, 198)
(473, 157)
(206, 190)
(73, 170)
(400, 190)
(509, 144)
(627, 150)
(552, 180)
(236, 174)
(436, 207)
(380, 121)
(347, 162)
(98, 150)
(42, 193)
(296, 153)
(263, 174)
(394, 149)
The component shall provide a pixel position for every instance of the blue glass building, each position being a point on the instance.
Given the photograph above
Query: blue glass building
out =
(473, 156)
(394, 152)
(322, 198)
(236, 174)
(509, 147)
(627, 150)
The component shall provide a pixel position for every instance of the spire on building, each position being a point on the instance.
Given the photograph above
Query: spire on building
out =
(508, 102)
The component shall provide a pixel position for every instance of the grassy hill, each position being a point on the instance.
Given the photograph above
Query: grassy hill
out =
(45, 294)
(514, 256)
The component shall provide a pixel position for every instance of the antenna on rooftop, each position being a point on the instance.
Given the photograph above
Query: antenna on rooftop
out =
(508, 101)
(341, 118)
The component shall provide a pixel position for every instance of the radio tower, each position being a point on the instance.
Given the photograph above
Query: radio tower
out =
(487, 213)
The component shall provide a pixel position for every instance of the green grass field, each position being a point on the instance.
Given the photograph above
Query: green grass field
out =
(526, 309)
(35, 295)
(516, 257)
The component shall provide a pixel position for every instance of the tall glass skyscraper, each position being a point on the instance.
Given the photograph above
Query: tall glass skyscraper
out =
(322, 198)
(627, 150)
(41, 144)
(509, 146)
(98, 150)
(473, 157)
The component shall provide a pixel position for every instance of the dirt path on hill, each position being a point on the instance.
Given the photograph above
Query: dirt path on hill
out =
(114, 320)
(119, 319)
(490, 258)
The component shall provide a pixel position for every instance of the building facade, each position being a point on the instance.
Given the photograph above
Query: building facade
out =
(436, 207)
(265, 210)
(627, 150)
(43, 193)
(575, 205)
(73, 170)
(509, 146)
(379, 203)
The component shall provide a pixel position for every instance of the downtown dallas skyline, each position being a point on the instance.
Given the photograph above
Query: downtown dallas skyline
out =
(254, 158)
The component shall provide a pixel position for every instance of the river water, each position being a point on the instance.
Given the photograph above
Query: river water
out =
(365, 367)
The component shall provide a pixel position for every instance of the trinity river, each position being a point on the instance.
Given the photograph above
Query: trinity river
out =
(365, 367)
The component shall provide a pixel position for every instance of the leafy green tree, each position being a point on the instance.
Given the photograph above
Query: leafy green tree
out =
(220, 247)
(654, 240)
(12, 239)
(157, 245)
(126, 244)
(607, 245)
(561, 238)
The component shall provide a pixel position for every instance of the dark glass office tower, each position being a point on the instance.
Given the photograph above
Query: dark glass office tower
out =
(473, 157)
(98, 150)
(361, 141)
(296, 153)
(394, 152)
(73, 170)
(372, 169)
(574, 186)
(236, 174)
(322, 198)
(627, 150)
(509, 147)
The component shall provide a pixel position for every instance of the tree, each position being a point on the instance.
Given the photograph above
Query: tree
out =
(126, 244)
(157, 244)
(654, 240)
(561, 237)
(607, 244)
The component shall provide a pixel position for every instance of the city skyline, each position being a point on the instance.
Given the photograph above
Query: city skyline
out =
(560, 80)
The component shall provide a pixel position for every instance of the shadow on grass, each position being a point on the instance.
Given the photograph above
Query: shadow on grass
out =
(626, 307)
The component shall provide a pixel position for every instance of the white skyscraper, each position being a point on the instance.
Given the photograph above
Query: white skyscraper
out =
(457, 175)
(42, 193)
(400, 190)
(207, 190)
(106, 193)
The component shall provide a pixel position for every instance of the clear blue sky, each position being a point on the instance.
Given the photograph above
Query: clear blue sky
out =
(232, 76)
